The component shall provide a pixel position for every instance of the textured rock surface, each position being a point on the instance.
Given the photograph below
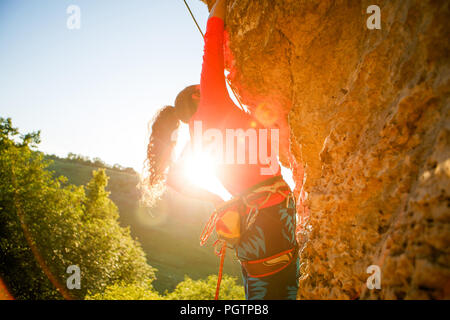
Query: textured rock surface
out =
(368, 116)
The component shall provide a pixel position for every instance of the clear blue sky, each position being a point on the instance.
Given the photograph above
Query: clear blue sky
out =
(93, 91)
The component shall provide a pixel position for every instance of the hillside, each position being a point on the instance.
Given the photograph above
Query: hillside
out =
(168, 233)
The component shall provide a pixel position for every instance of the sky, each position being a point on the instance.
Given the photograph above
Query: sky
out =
(93, 90)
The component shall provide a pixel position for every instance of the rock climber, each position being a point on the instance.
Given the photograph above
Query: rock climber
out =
(260, 220)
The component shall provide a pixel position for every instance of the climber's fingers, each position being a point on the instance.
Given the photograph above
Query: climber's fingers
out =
(210, 4)
(218, 9)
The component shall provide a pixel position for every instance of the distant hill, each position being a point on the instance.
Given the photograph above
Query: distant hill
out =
(169, 233)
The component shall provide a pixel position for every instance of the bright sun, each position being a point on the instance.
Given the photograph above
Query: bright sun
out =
(199, 168)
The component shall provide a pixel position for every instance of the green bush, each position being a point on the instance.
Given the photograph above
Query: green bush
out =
(68, 225)
(124, 291)
(205, 289)
(186, 290)
(71, 225)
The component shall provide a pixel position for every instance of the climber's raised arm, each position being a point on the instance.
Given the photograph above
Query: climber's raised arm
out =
(213, 90)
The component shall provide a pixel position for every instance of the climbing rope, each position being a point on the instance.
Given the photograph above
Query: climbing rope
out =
(207, 231)
(203, 36)
(221, 254)
(192, 15)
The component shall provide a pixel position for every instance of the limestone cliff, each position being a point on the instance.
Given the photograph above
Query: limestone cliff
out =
(366, 114)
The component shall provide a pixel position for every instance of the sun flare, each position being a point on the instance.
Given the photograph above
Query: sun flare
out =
(199, 168)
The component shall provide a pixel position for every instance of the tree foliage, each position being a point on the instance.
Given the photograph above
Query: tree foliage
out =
(68, 225)
(186, 290)
(71, 225)
(95, 162)
(205, 289)
(126, 291)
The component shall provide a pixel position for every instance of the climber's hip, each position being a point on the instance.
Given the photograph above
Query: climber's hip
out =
(268, 266)
(270, 240)
(268, 254)
(260, 225)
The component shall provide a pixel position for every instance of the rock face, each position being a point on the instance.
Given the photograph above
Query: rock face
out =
(366, 114)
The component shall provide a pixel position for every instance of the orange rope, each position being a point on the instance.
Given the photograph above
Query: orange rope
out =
(208, 229)
(222, 259)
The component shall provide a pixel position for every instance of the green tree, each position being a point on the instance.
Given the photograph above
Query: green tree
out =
(203, 289)
(124, 291)
(47, 225)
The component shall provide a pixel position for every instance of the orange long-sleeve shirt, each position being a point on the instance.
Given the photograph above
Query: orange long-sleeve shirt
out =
(216, 110)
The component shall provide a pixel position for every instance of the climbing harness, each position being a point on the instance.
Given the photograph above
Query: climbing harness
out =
(268, 266)
(235, 217)
(203, 36)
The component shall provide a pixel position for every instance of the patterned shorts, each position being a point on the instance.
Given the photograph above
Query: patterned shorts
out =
(272, 232)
